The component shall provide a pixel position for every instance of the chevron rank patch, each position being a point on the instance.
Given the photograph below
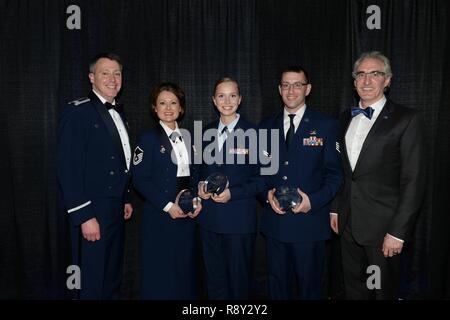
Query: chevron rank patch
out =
(138, 156)
(338, 149)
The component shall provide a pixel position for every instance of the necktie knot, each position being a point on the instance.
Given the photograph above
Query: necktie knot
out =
(368, 112)
(174, 135)
(117, 107)
(224, 130)
(291, 131)
(292, 116)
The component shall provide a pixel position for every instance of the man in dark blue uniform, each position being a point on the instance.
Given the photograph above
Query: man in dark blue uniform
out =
(93, 173)
(309, 161)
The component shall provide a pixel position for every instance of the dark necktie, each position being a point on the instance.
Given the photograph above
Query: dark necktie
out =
(224, 130)
(117, 107)
(174, 135)
(291, 131)
(368, 112)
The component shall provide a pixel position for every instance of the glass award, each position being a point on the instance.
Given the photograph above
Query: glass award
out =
(216, 183)
(288, 197)
(186, 201)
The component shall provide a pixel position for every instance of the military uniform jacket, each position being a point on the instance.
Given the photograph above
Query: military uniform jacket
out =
(154, 172)
(238, 215)
(312, 164)
(91, 163)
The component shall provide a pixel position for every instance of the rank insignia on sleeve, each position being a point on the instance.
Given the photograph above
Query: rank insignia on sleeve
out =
(138, 156)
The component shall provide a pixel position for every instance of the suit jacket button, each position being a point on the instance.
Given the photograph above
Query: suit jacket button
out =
(126, 171)
(109, 187)
(284, 178)
(111, 173)
(286, 163)
(112, 157)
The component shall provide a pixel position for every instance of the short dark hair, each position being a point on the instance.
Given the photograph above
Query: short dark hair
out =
(107, 55)
(297, 69)
(171, 87)
(226, 79)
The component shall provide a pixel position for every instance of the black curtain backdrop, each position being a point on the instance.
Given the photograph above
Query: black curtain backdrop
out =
(193, 43)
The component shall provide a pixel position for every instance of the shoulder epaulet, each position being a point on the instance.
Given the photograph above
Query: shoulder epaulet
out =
(79, 101)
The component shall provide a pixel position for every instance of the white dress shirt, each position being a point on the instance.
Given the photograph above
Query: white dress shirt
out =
(298, 117)
(180, 151)
(181, 154)
(221, 137)
(121, 129)
(358, 130)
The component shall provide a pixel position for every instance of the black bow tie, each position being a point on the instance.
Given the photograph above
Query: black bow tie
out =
(117, 107)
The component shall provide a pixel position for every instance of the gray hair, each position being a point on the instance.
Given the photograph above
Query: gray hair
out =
(374, 55)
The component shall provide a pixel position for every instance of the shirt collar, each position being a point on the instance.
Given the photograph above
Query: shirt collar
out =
(103, 100)
(377, 106)
(299, 112)
(168, 130)
(230, 126)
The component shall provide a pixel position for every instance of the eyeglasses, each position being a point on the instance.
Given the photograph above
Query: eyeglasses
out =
(297, 85)
(372, 75)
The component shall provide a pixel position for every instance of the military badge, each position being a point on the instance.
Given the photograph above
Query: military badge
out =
(313, 141)
(138, 156)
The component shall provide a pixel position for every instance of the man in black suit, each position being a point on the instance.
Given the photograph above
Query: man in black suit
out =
(93, 174)
(383, 162)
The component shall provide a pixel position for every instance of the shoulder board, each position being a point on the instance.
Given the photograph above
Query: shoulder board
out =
(79, 101)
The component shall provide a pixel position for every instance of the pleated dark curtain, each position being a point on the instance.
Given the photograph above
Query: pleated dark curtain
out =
(193, 43)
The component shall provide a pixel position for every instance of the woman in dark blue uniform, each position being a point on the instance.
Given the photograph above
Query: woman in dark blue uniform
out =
(161, 170)
(228, 221)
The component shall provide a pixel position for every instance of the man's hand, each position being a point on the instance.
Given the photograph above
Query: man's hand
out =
(303, 206)
(127, 211)
(176, 212)
(197, 210)
(201, 192)
(391, 246)
(334, 222)
(274, 202)
(91, 230)
(224, 197)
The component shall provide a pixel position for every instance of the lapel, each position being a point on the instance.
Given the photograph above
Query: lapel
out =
(346, 118)
(211, 147)
(109, 123)
(375, 131)
(305, 127)
(164, 142)
(190, 147)
(279, 124)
